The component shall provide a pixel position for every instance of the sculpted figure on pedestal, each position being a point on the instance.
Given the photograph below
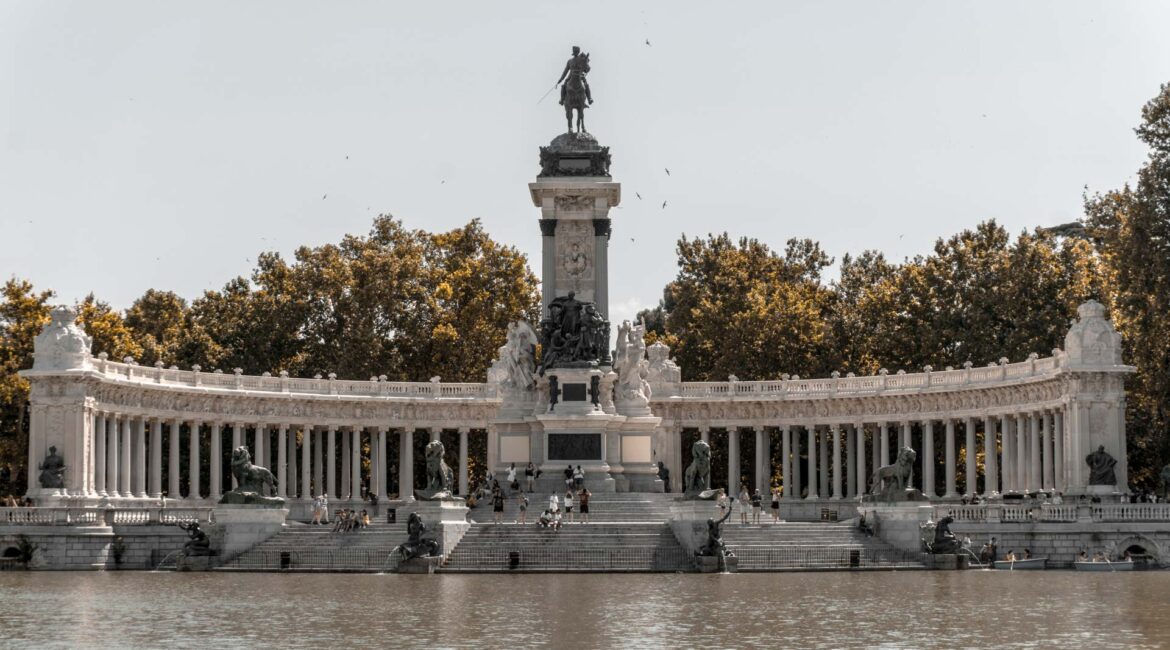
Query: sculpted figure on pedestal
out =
(416, 546)
(662, 369)
(698, 475)
(62, 345)
(52, 470)
(575, 93)
(891, 481)
(1101, 466)
(630, 364)
(440, 478)
(198, 544)
(255, 485)
(573, 335)
(516, 366)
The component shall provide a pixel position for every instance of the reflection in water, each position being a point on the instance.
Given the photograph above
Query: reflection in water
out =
(892, 609)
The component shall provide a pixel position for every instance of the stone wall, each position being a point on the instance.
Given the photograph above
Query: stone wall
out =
(92, 547)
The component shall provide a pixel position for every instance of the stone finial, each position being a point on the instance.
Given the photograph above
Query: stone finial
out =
(173, 367)
(332, 376)
(901, 372)
(382, 378)
(795, 377)
(374, 378)
(1003, 361)
(436, 379)
(850, 375)
(1092, 341)
(62, 345)
(1033, 356)
(928, 369)
(128, 360)
(217, 371)
(284, 374)
(237, 371)
(196, 368)
(883, 372)
(103, 355)
(967, 365)
(317, 376)
(836, 374)
(159, 364)
(949, 368)
(266, 374)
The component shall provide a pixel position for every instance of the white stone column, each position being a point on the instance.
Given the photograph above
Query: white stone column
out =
(193, 488)
(875, 452)
(355, 464)
(990, 458)
(851, 461)
(155, 458)
(705, 434)
(1048, 484)
(904, 437)
(113, 456)
(796, 468)
(1060, 480)
(406, 465)
(435, 433)
(786, 462)
(1034, 467)
(331, 463)
(463, 462)
(812, 462)
(344, 483)
(318, 462)
(885, 435)
(99, 453)
(836, 432)
(928, 483)
(125, 442)
(174, 490)
(293, 474)
(138, 426)
(601, 230)
(215, 474)
(823, 461)
(971, 487)
(282, 460)
(733, 478)
(259, 441)
(548, 277)
(1021, 452)
(763, 460)
(237, 442)
(306, 463)
(949, 446)
(862, 475)
(383, 467)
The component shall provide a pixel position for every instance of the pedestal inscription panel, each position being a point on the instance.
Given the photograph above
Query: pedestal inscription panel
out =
(574, 446)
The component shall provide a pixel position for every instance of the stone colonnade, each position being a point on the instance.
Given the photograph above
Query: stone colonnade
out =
(345, 462)
(836, 460)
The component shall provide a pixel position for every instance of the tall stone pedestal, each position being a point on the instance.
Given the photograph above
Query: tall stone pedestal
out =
(242, 527)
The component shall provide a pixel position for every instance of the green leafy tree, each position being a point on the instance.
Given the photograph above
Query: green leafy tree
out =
(23, 312)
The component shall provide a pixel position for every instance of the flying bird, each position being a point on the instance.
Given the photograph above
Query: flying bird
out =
(667, 171)
(631, 239)
(638, 195)
(323, 196)
(664, 205)
(648, 43)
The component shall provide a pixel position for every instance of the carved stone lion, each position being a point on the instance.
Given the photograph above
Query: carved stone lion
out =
(890, 480)
(698, 475)
(256, 485)
(440, 478)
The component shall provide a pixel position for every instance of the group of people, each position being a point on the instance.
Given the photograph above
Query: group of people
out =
(751, 504)
(349, 520)
(11, 501)
(321, 510)
(560, 510)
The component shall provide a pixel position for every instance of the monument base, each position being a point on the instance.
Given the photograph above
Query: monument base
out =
(195, 563)
(711, 564)
(240, 528)
(420, 565)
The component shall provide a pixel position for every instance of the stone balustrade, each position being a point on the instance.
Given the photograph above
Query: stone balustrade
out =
(65, 516)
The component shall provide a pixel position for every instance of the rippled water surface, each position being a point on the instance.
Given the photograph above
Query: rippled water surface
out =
(798, 610)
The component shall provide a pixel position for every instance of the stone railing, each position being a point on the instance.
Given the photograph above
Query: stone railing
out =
(98, 517)
(1050, 513)
(1034, 368)
(130, 372)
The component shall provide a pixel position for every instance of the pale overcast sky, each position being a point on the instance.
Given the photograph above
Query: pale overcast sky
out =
(164, 144)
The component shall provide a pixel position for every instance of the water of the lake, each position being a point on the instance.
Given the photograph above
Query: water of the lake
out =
(797, 610)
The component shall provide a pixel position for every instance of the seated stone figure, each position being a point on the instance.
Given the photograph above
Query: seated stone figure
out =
(416, 546)
(440, 477)
(198, 544)
(698, 474)
(945, 541)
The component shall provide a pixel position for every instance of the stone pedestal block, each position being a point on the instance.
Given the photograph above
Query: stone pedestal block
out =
(426, 565)
(242, 527)
(712, 564)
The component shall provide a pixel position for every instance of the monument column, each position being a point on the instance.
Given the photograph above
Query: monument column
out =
(463, 461)
(355, 463)
(705, 434)
(928, 483)
(112, 457)
(823, 458)
(733, 477)
(331, 463)
(1021, 452)
(851, 461)
(99, 454)
(318, 462)
(795, 462)
(990, 458)
(139, 428)
(306, 463)
(764, 460)
(885, 435)
(237, 442)
(1007, 462)
(216, 460)
(193, 487)
(383, 468)
(1058, 450)
(601, 232)
(343, 484)
(259, 436)
(971, 487)
(812, 462)
(173, 484)
(282, 460)
(1036, 471)
(406, 465)
(126, 441)
(836, 429)
(949, 445)
(859, 429)
(786, 462)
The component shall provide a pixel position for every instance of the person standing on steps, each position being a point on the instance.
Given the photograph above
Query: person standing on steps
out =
(583, 502)
(568, 476)
(512, 484)
(554, 504)
(498, 505)
(569, 506)
(578, 478)
(757, 505)
(530, 477)
(775, 505)
(522, 499)
(745, 502)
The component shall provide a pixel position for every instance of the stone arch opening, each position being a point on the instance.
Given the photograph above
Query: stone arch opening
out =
(1143, 550)
(10, 553)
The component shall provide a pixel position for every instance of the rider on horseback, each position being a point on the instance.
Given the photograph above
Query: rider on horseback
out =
(576, 66)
